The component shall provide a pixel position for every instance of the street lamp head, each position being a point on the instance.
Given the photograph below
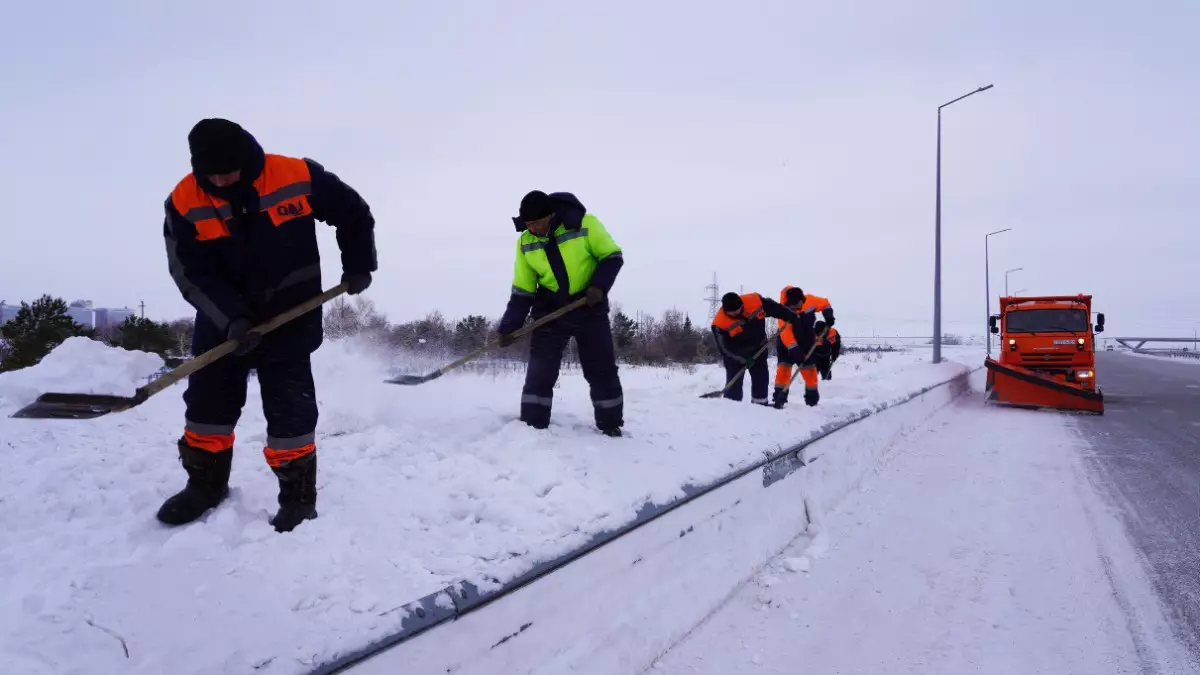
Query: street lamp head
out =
(997, 232)
(1015, 269)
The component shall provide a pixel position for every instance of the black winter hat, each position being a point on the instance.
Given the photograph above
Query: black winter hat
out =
(731, 302)
(219, 146)
(535, 205)
(795, 296)
(819, 326)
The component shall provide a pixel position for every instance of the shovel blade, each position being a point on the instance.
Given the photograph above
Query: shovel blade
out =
(410, 379)
(713, 394)
(75, 406)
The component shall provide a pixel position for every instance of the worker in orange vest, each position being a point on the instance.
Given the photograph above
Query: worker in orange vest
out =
(829, 348)
(740, 329)
(788, 348)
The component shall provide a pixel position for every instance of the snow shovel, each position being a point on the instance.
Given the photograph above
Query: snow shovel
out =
(88, 406)
(422, 379)
(722, 390)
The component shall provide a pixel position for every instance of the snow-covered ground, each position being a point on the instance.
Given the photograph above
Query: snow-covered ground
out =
(979, 546)
(419, 487)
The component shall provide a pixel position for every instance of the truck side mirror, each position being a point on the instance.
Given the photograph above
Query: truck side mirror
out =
(1100, 322)
(992, 324)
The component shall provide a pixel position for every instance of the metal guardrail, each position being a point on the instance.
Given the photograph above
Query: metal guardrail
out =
(1141, 341)
(456, 600)
(1173, 353)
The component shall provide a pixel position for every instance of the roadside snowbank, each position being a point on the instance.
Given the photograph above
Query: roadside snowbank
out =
(419, 487)
(978, 546)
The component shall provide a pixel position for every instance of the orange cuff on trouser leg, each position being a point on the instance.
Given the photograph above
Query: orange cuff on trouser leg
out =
(208, 437)
(280, 451)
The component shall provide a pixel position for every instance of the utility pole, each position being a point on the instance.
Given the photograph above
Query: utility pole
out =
(937, 235)
(713, 296)
(987, 290)
(143, 306)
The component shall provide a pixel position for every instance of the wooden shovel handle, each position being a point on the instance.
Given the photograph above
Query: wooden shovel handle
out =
(227, 347)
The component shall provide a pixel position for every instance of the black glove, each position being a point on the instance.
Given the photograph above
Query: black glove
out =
(748, 361)
(357, 282)
(595, 295)
(247, 339)
(507, 339)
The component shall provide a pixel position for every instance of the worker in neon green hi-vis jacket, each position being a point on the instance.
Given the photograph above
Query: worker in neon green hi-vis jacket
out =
(565, 253)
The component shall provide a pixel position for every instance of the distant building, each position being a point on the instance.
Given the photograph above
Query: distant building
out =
(8, 312)
(82, 313)
(106, 317)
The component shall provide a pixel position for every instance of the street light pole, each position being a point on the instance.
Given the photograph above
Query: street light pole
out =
(1006, 273)
(937, 235)
(987, 290)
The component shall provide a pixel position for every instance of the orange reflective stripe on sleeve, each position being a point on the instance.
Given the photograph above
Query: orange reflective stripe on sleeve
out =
(787, 335)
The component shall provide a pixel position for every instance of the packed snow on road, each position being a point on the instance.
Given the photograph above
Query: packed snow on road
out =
(980, 545)
(420, 487)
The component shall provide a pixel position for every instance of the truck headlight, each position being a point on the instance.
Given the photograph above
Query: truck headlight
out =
(1085, 374)
(1080, 341)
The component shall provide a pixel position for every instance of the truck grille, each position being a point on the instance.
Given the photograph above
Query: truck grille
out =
(1047, 359)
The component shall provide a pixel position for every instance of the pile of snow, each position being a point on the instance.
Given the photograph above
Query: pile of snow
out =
(419, 487)
(80, 366)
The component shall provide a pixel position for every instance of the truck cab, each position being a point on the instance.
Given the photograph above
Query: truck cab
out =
(1045, 340)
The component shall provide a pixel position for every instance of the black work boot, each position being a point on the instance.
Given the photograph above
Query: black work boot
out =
(610, 431)
(781, 399)
(297, 492)
(811, 397)
(207, 485)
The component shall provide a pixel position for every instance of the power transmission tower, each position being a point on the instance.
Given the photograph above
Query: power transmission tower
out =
(713, 298)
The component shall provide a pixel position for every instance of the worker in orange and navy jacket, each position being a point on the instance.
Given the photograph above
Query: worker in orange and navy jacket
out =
(828, 349)
(789, 352)
(740, 329)
(241, 243)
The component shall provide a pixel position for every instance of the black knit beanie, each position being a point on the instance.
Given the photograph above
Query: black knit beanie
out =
(535, 205)
(731, 302)
(795, 296)
(218, 146)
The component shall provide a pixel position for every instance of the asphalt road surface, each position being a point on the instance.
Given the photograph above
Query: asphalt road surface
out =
(1147, 454)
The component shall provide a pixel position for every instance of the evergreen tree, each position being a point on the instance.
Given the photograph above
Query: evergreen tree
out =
(624, 331)
(36, 330)
(144, 335)
(471, 333)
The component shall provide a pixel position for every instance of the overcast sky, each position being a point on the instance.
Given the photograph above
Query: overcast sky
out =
(769, 142)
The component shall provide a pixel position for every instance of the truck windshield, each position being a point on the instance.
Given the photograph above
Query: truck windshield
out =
(1046, 321)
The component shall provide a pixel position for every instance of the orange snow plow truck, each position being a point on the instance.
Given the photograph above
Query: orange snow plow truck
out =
(1047, 357)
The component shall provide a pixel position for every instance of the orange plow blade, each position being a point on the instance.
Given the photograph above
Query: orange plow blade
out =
(1023, 388)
